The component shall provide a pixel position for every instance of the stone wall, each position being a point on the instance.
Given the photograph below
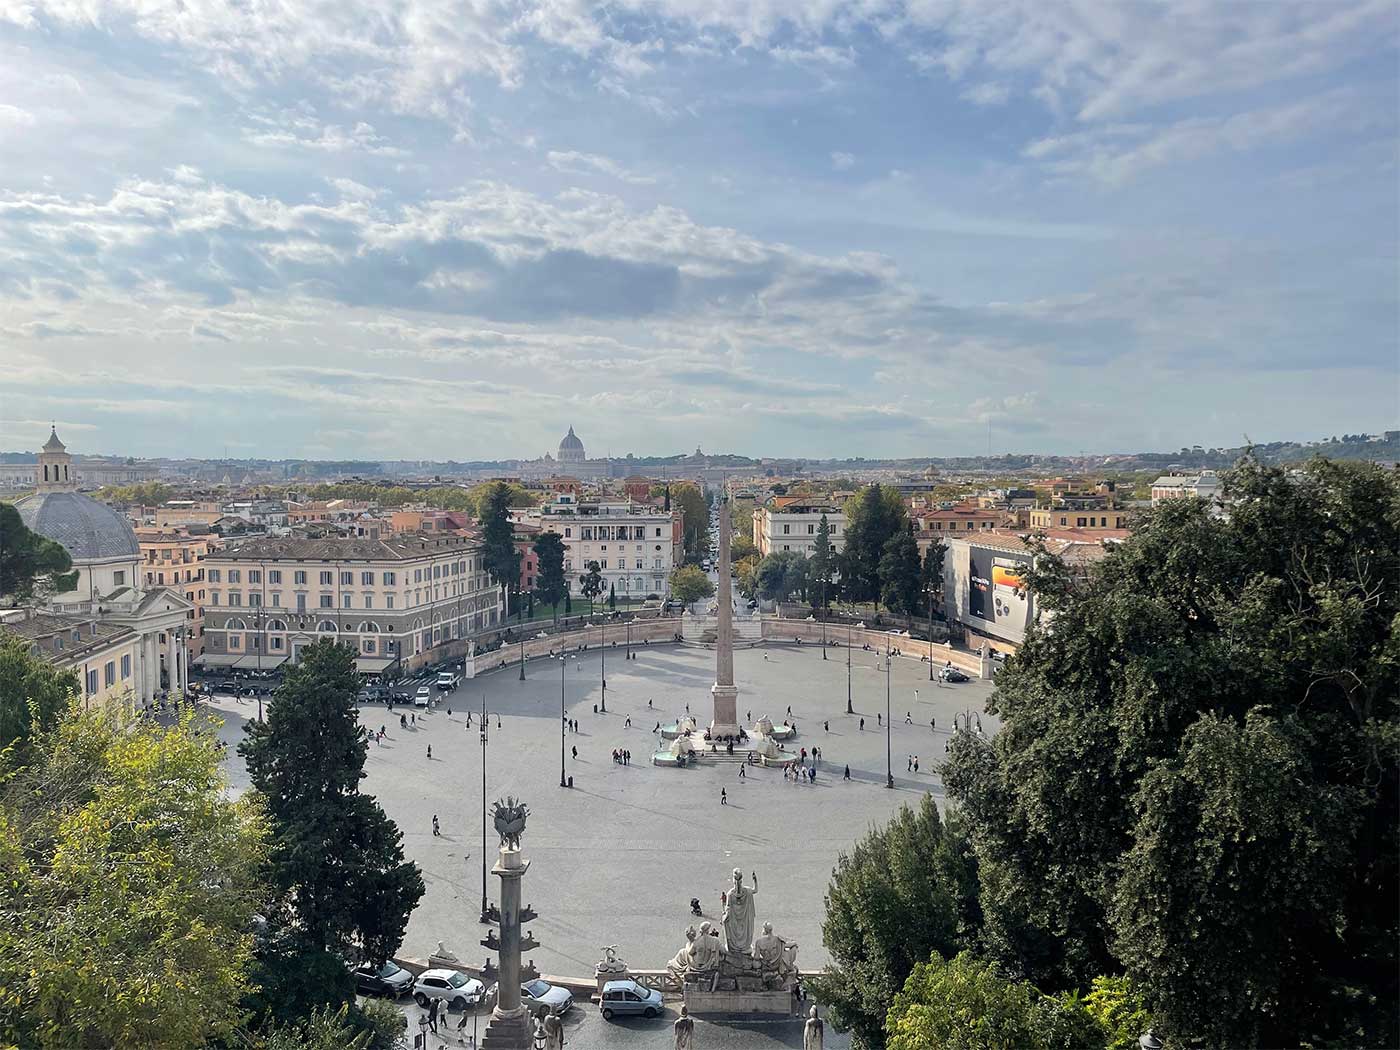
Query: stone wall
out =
(810, 631)
(613, 635)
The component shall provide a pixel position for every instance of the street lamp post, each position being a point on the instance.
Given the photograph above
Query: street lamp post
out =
(930, 634)
(823, 617)
(889, 766)
(629, 641)
(522, 656)
(849, 709)
(563, 714)
(603, 667)
(485, 915)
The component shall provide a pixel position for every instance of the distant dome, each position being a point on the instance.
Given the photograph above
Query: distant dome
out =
(571, 448)
(91, 531)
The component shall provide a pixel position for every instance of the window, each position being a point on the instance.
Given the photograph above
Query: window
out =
(345, 600)
(299, 576)
(369, 645)
(326, 625)
(254, 576)
(119, 578)
(235, 641)
(274, 575)
(811, 529)
(639, 563)
(275, 598)
(275, 644)
(437, 572)
(254, 598)
(1079, 522)
(603, 564)
(126, 666)
(327, 579)
(786, 530)
(390, 579)
(109, 674)
(658, 532)
(366, 579)
(347, 579)
(417, 575)
(213, 597)
(301, 603)
(92, 683)
(568, 533)
(234, 598)
(327, 601)
(369, 601)
(235, 576)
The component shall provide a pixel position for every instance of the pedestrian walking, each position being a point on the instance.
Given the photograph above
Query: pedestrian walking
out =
(648, 703)
(862, 723)
(909, 766)
(430, 752)
(412, 719)
(879, 719)
(437, 828)
(826, 726)
(932, 725)
(575, 751)
(449, 712)
(908, 718)
(723, 797)
(627, 724)
(916, 763)
(433, 1007)
(595, 709)
(848, 774)
(741, 773)
(789, 710)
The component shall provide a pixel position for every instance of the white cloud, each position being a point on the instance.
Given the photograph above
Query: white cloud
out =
(576, 163)
(843, 161)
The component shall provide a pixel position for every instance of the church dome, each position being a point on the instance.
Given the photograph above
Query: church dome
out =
(571, 441)
(91, 531)
(571, 448)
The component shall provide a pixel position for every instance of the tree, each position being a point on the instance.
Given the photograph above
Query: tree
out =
(1195, 782)
(746, 571)
(132, 882)
(906, 889)
(695, 523)
(590, 584)
(901, 574)
(872, 517)
(1117, 1006)
(823, 562)
(932, 574)
(964, 1004)
(782, 574)
(26, 558)
(612, 597)
(690, 584)
(34, 695)
(568, 603)
(550, 583)
(342, 887)
(499, 552)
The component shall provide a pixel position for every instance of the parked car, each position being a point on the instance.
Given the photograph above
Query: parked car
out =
(423, 697)
(629, 997)
(389, 980)
(453, 988)
(539, 997)
(447, 681)
(952, 674)
(373, 694)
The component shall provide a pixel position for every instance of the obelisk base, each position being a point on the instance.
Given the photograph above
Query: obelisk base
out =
(509, 1031)
(726, 721)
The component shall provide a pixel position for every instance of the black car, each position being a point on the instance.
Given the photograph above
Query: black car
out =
(952, 674)
(389, 980)
(374, 694)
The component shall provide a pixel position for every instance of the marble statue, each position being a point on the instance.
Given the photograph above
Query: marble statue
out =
(683, 1031)
(705, 950)
(777, 958)
(554, 1033)
(813, 1032)
(678, 966)
(509, 816)
(739, 914)
(611, 963)
(444, 953)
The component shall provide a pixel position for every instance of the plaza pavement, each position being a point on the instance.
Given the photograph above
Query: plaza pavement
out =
(616, 859)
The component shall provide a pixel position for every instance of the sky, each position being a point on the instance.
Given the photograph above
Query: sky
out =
(432, 229)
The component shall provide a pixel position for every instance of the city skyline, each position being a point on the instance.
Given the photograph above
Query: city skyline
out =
(819, 230)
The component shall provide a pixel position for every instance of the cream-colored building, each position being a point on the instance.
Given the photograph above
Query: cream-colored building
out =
(107, 558)
(173, 558)
(105, 656)
(407, 600)
(635, 545)
(789, 523)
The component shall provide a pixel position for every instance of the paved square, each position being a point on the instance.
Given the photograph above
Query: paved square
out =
(617, 859)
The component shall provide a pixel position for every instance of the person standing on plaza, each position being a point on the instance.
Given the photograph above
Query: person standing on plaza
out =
(916, 763)
(723, 797)
(437, 828)
(862, 724)
(741, 773)
(430, 752)
(433, 1007)
(848, 774)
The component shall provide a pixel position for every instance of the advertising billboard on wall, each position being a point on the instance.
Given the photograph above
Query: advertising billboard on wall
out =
(994, 595)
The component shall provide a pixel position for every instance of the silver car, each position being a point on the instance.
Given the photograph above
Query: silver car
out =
(539, 997)
(453, 988)
(629, 997)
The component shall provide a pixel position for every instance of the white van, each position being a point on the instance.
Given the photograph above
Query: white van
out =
(447, 681)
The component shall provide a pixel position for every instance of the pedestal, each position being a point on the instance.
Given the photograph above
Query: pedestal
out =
(726, 720)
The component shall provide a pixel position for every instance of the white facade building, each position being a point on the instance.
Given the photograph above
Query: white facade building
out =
(635, 546)
(789, 524)
(1205, 485)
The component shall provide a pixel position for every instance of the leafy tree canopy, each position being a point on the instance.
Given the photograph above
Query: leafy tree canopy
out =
(690, 584)
(687, 497)
(873, 517)
(34, 695)
(550, 582)
(1195, 782)
(782, 574)
(901, 574)
(28, 559)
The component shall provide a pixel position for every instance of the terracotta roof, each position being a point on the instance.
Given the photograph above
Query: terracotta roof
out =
(395, 548)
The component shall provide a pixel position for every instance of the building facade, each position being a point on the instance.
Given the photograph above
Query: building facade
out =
(636, 546)
(790, 524)
(1205, 485)
(406, 601)
(175, 559)
(105, 656)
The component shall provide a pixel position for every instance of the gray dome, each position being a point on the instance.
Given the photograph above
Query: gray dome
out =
(570, 441)
(91, 531)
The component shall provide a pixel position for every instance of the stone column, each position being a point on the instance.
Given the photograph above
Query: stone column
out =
(724, 694)
(509, 1027)
(150, 656)
(172, 671)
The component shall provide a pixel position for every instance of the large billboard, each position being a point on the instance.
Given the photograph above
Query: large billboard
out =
(994, 594)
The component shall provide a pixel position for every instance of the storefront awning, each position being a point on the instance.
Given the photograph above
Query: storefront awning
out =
(254, 663)
(217, 659)
(373, 664)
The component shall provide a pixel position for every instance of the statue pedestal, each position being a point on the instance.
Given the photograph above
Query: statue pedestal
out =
(509, 1031)
(775, 1003)
(726, 701)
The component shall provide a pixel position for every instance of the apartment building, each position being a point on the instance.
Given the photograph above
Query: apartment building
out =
(406, 600)
(173, 558)
(636, 546)
(103, 655)
(1205, 485)
(1099, 518)
(789, 523)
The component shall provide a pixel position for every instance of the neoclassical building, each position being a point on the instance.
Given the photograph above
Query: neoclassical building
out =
(107, 558)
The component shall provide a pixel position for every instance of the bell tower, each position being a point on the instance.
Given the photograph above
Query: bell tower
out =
(54, 472)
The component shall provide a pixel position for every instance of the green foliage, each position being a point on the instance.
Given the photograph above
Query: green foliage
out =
(783, 574)
(964, 1004)
(746, 572)
(384, 1022)
(442, 497)
(931, 575)
(823, 565)
(325, 1029)
(612, 596)
(132, 882)
(873, 517)
(690, 584)
(550, 583)
(696, 523)
(27, 558)
(342, 887)
(901, 574)
(905, 890)
(144, 493)
(1195, 781)
(34, 695)
(590, 584)
(501, 556)
(1116, 1005)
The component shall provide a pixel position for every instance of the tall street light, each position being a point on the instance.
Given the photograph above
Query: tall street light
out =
(930, 634)
(849, 709)
(823, 617)
(889, 766)
(485, 725)
(563, 715)
(522, 655)
(603, 667)
(628, 656)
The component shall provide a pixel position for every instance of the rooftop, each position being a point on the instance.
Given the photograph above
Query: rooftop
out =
(395, 548)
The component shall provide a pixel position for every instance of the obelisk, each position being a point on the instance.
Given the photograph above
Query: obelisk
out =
(726, 696)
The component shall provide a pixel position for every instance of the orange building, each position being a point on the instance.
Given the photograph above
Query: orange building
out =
(173, 558)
